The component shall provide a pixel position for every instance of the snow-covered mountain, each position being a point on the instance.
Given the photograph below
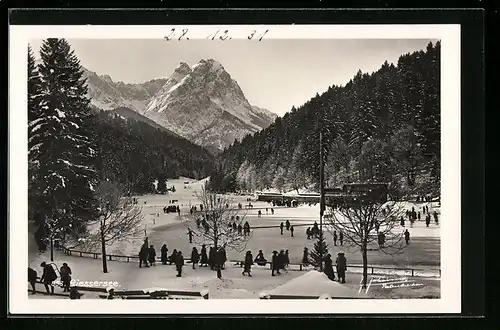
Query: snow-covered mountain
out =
(205, 105)
(107, 94)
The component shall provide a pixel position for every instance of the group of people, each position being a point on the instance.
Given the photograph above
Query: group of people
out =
(288, 227)
(241, 230)
(313, 232)
(414, 215)
(49, 275)
(341, 266)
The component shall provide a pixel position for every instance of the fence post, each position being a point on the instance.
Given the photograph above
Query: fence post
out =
(128, 259)
(300, 266)
(109, 257)
(412, 272)
(372, 270)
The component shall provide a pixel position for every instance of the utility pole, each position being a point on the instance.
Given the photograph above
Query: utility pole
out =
(322, 194)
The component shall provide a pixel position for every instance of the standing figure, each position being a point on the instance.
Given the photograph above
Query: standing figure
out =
(164, 254)
(308, 233)
(246, 228)
(179, 262)
(427, 220)
(32, 275)
(173, 257)
(190, 234)
(281, 227)
(287, 258)
(287, 225)
(402, 222)
(272, 211)
(381, 239)
(407, 237)
(240, 229)
(328, 270)
(195, 257)
(143, 255)
(219, 256)
(259, 213)
(341, 238)
(305, 257)
(204, 257)
(65, 272)
(152, 256)
(281, 260)
(178, 210)
(418, 215)
(266, 210)
(291, 231)
(211, 258)
(435, 217)
(248, 264)
(275, 264)
(235, 226)
(334, 238)
(48, 276)
(341, 266)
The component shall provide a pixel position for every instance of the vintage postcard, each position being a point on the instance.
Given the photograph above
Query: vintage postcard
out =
(300, 168)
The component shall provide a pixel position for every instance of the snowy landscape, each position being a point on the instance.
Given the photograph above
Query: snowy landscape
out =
(121, 175)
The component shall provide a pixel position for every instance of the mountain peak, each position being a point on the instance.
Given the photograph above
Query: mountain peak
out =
(208, 65)
(183, 68)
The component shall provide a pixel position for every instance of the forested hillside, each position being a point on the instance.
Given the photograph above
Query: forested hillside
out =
(136, 154)
(379, 127)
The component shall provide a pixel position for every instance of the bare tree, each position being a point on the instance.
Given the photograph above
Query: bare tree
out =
(363, 222)
(216, 222)
(119, 218)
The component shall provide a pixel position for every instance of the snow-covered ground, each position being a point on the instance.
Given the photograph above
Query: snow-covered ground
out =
(423, 252)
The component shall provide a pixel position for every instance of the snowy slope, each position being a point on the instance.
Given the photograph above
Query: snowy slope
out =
(107, 94)
(204, 104)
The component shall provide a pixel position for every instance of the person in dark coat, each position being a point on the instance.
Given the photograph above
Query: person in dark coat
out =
(291, 231)
(49, 275)
(418, 215)
(246, 228)
(287, 258)
(195, 256)
(275, 264)
(281, 227)
(143, 256)
(178, 210)
(173, 257)
(190, 234)
(281, 260)
(407, 237)
(32, 275)
(240, 229)
(287, 225)
(179, 262)
(204, 257)
(152, 256)
(65, 272)
(235, 226)
(328, 270)
(341, 238)
(402, 222)
(427, 220)
(259, 213)
(248, 263)
(272, 211)
(164, 254)
(260, 260)
(334, 238)
(308, 233)
(219, 261)
(381, 239)
(341, 266)
(305, 257)
(435, 217)
(211, 258)
(74, 294)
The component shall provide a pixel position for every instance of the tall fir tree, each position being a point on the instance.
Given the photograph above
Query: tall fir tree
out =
(319, 252)
(35, 103)
(67, 154)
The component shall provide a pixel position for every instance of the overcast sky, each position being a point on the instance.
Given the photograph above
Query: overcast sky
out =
(273, 74)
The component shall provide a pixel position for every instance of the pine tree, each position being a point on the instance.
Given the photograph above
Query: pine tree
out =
(67, 154)
(319, 252)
